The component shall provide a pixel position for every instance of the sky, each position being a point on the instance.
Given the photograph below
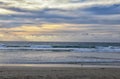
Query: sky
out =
(60, 20)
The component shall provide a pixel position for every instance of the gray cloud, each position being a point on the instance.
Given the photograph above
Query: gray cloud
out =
(86, 20)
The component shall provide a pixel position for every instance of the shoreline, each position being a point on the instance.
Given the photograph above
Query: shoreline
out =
(61, 65)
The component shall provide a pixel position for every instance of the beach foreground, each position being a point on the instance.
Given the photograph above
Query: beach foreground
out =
(19, 72)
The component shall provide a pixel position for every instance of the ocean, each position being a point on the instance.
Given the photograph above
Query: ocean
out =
(60, 53)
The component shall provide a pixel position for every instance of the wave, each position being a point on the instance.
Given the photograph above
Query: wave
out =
(99, 49)
(77, 48)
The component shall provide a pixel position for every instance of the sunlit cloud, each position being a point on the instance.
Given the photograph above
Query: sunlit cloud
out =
(6, 12)
(28, 33)
(44, 27)
(58, 32)
(61, 4)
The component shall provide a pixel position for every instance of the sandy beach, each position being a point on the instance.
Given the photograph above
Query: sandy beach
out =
(29, 72)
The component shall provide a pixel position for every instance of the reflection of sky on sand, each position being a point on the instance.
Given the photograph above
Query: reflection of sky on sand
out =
(59, 65)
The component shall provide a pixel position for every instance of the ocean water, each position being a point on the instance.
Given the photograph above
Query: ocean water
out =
(59, 53)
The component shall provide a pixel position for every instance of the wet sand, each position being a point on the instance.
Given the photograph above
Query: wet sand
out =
(23, 72)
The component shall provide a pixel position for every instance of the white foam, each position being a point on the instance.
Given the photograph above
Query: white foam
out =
(40, 46)
(99, 49)
(51, 48)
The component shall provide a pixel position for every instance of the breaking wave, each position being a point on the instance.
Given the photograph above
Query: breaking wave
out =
(77, 48)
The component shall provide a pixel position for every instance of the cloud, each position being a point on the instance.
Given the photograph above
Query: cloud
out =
(6, 12)
(60, 4)
(60, 20)
(61, 32)
(29, 33)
